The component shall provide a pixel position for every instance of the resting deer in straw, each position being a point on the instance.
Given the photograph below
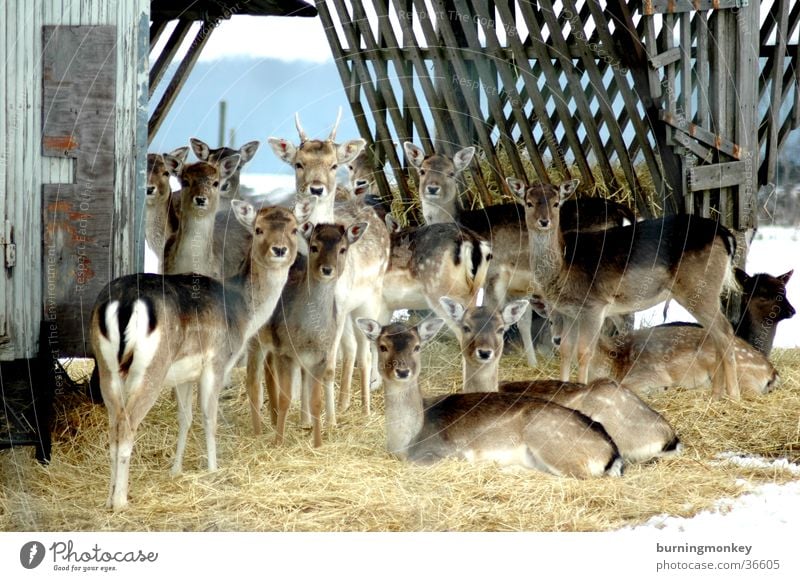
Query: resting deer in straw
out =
(302, 329)
(359, 289)
(589, 276)
(503, 225)
(508, 429)
(482, 330)
(148, 331)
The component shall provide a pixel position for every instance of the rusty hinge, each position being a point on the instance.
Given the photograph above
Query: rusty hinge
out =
(9, 248)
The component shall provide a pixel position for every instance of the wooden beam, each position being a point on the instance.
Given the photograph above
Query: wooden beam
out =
(168, 53)
(650, 7)
(666, 58)
(716, 141)
(719, 175)
(156, 29)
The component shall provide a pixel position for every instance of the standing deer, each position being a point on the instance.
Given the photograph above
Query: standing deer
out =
(230, 190)
(763, 305)
(482, 330)
(148, 331)
(503, 225)
(303, 328)
(190, 248)
(161, 211)
(508, 429)
(428, 262)
(588, 276)
(359, 290)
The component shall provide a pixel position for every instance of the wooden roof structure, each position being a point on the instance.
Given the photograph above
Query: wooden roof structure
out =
(203, 16)
(696, 96)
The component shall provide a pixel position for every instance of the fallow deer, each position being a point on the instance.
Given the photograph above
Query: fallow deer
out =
(509, 429)
(230, 190)
(428, 262)
(359, 290)
(589, 276)
(362, 184)
(763, 305)
(161, 216)
(149, 330)
(303, 328)
(640, 433)
(190, 248)
(503, 225)
(482, 330)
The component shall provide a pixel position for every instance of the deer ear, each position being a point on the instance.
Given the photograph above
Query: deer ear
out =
(283, 148)
(741, 276)
(356, 231)
(462, 158)
(454, 309)
(349, 150)
(391, 224)
(414, 154)
(513, 312)
(228, 166)
(539, 306)
(174, 164)
(303, 209)
(201, 150)
(784, 278)
(428, 329)
(568, 188)
(370, 328)
(247, 151)
(306, 229)
(245, 214)
(181, 153)
(517, 188)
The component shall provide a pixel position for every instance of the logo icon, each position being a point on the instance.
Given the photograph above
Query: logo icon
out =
(31, 554)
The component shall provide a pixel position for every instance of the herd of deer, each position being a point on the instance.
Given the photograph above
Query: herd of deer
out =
(282, 290)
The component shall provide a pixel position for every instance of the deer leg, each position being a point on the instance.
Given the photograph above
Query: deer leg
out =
(315, 385)
(349, 344)
(589, 325)
(210, 386)
(256, 371)
(724, 380)
(524, 327)
(284, 368)
(365, 360)
(566, 350)
(271, 382)
(183, 397)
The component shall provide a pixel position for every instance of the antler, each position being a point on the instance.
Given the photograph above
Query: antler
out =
(303, 136)
(335, 126)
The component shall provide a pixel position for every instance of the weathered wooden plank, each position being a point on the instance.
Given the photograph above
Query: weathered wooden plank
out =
(746, 134)
(156, 30)
(704, 154)
(716, 141)
(702, 68)
(168, 53)
(355, 104)
(650, 7)
(76, 262)
(719, 175)
(776, 92)
(667, 57)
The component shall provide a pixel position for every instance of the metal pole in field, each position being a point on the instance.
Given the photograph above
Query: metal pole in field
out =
(222, 107)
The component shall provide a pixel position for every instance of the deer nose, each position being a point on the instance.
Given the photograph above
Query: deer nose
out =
(316, 190)
(485, 354)
(433, 190)
(326, 270)
(200, 201)
(556, 341)
(279, 251)
(790, 311)
(151, 190)
(544, 223)
(361, 183)
(402, 373)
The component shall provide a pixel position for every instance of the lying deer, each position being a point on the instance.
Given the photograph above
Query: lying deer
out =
(428, 262)
(589, 276)
(190, 247)
(640, 432)
(303, 328)
(359, 291)
(506, 428)
(161, 203)
(673, 355)
(763, 305)
(481, 339)
(503, 225)
(148, 331)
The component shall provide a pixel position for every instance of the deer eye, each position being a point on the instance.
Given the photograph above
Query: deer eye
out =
(259, 231)
(384, 349)
(416, 349)
(466, 329)
(314, 249)
(216, 184)
(351, 168)
(294, 231)
(185, 183)
(298, 165)
(422, 172)
(452, 174)
(555, 205)
(334, 167)
(529, 204)
(500, 330)
(166, 174)
(342, 250)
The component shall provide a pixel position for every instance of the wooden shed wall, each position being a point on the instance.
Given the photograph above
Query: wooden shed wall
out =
(23, 168)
